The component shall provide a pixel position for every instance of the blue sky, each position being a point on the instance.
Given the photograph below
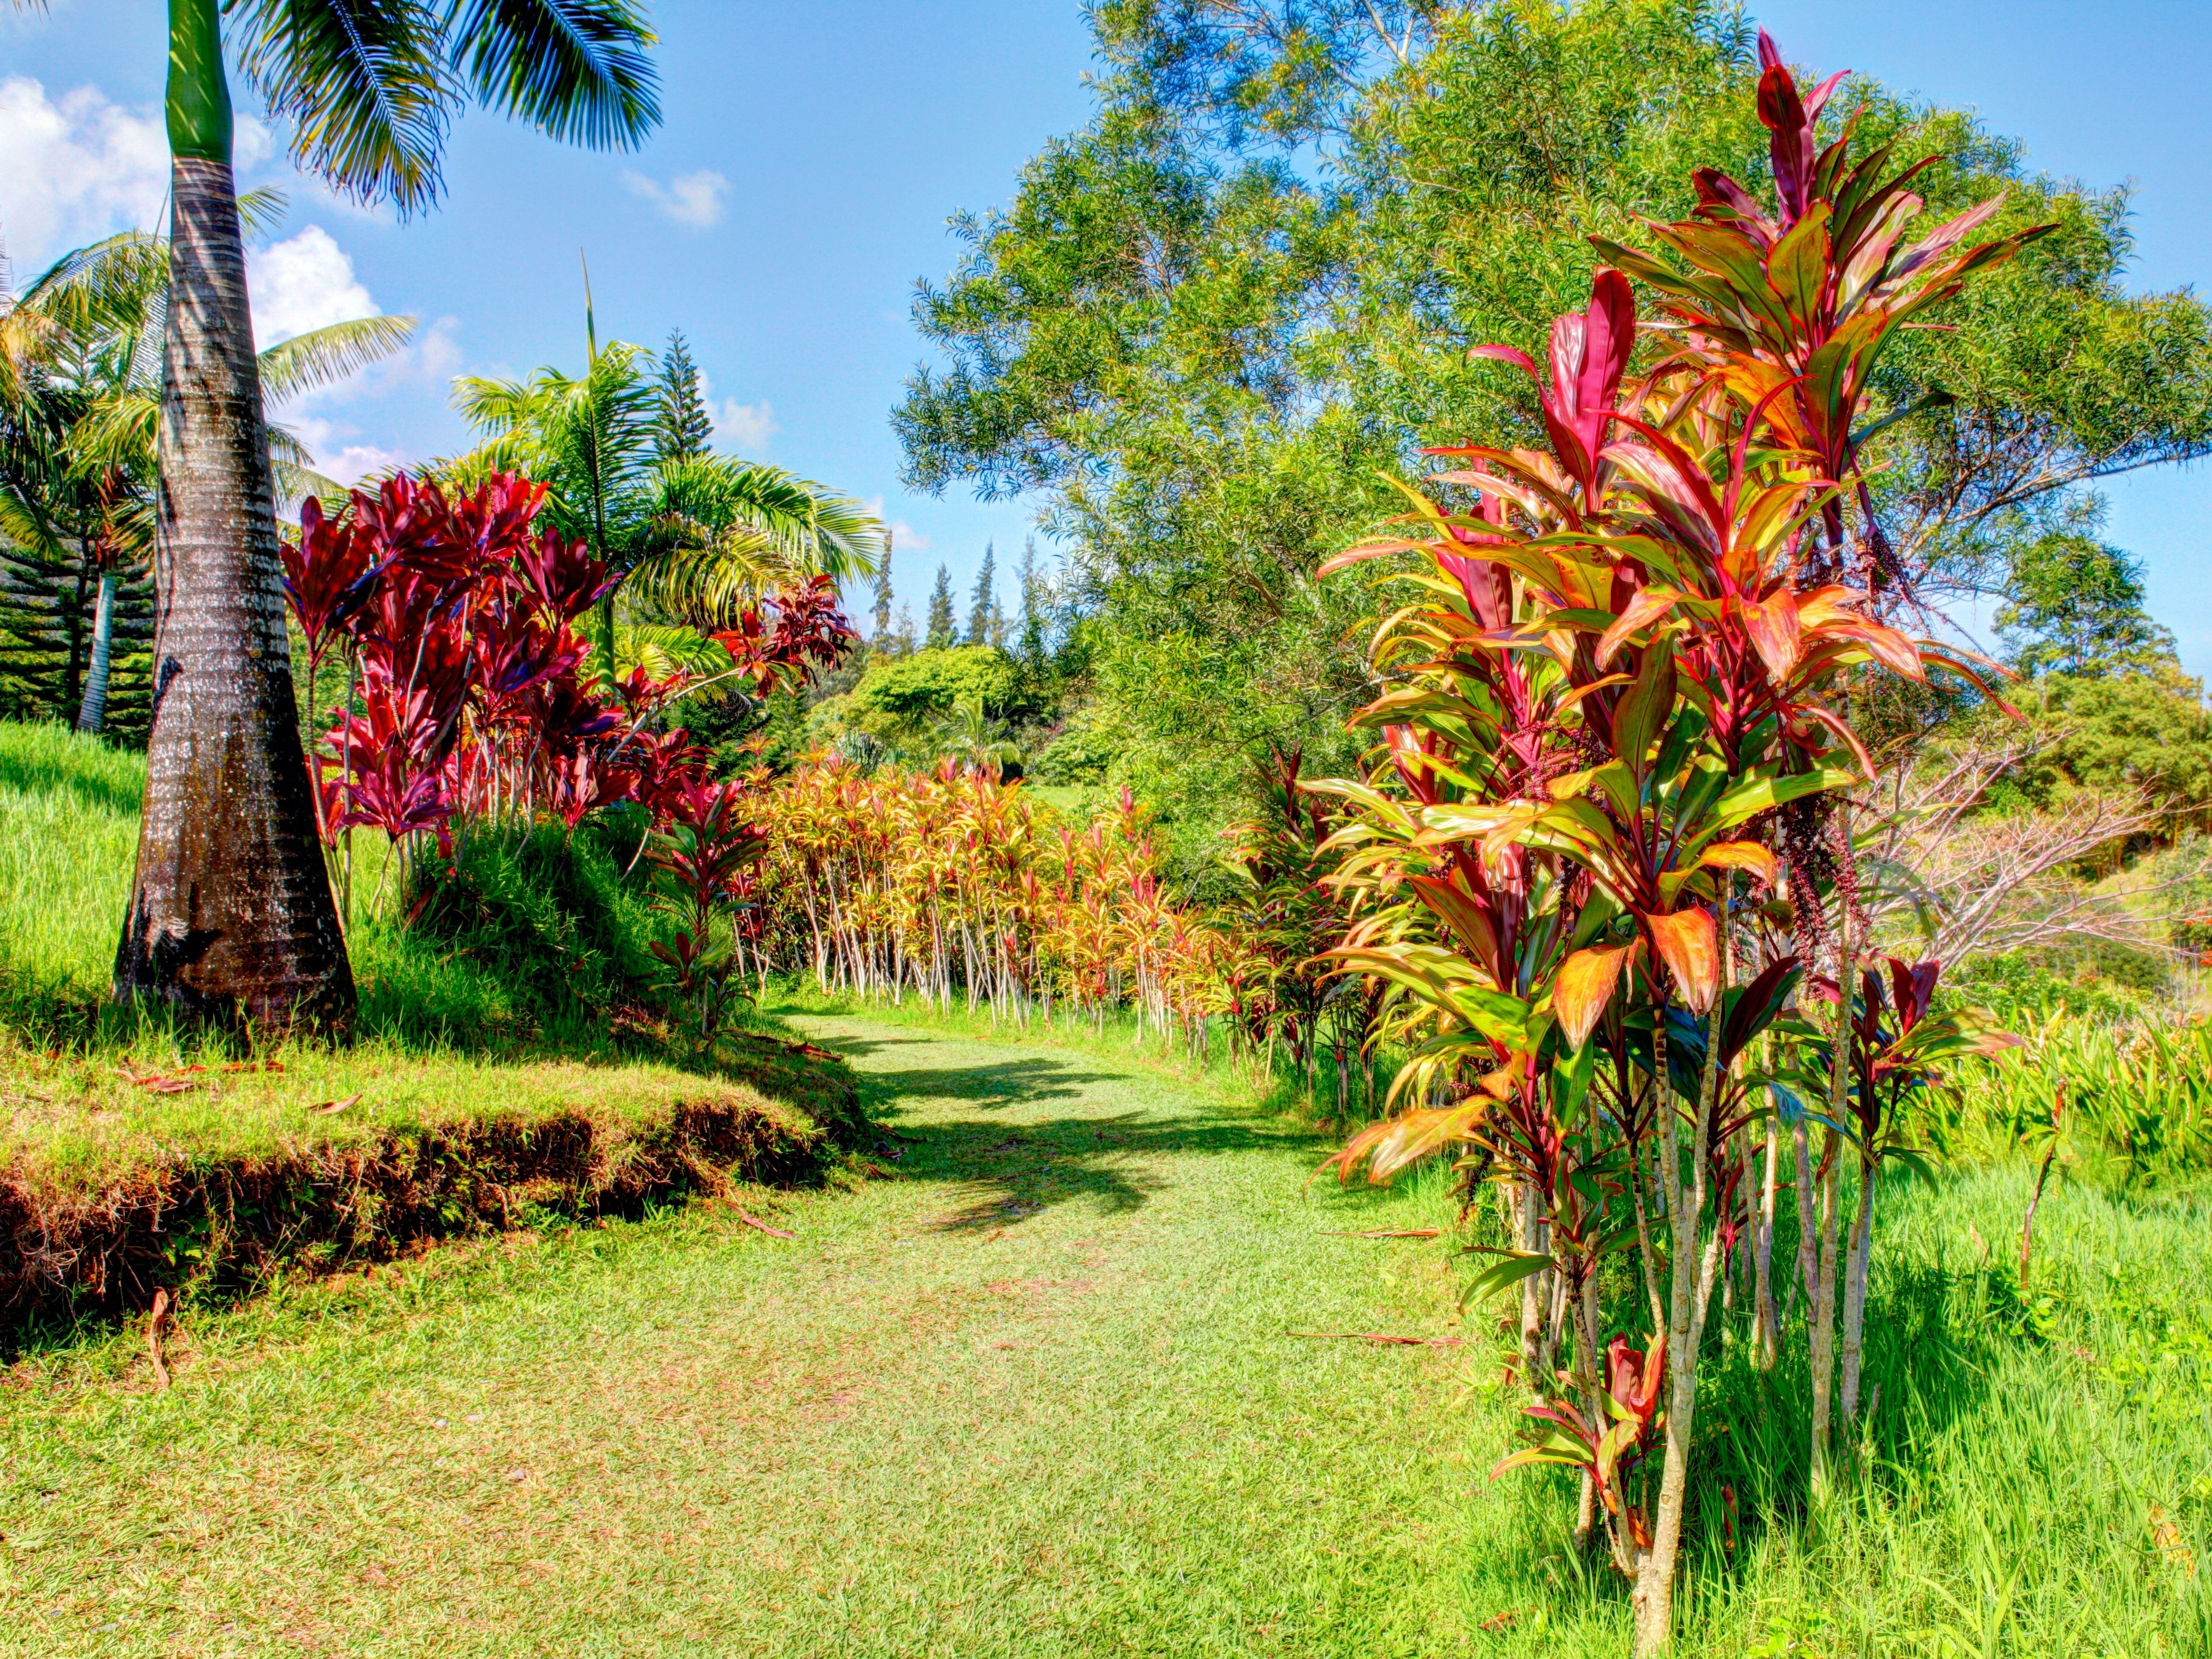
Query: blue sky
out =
(810, 159)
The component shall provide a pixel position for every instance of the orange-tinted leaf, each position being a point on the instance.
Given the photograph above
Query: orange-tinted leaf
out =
(1744, 855)
(1645, 606)
(1772, 625)
(1687, 943)
(1584, 985)
(1351, 556)
(1389, 1146)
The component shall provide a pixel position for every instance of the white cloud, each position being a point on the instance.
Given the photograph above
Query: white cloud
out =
(905, 539)
(336, 458)
(689, 198)
(305, 281)
(743, 426)
(77, 168)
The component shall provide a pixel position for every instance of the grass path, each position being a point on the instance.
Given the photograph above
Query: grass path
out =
(1037, 1398)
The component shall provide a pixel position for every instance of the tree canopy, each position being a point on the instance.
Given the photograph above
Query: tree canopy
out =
(1209, 323)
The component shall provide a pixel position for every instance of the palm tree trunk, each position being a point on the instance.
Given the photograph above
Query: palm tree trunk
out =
(72, 683)
(92, 713)
(230, 911)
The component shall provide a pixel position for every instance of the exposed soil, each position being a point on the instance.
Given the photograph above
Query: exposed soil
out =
(226, 1225)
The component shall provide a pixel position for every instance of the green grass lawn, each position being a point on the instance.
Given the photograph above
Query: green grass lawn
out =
(508, 1054)
(1039, 1398)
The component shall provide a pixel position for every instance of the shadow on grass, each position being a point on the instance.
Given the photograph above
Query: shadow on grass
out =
(1000, 1177)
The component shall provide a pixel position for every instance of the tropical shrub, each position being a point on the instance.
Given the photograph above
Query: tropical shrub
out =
(466, 709)
(1606, 845)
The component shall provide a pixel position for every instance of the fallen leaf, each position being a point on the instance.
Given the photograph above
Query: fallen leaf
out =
(157, 1082)
(153, 1323)
(755, 1221)
(1394, 1232)
(1503, 1620)
(2167, 1537)
(330, 1107)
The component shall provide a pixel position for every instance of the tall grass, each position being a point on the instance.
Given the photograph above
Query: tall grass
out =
(2136, 1099)
(2032, 1477)
(516, 946)
(68, 834)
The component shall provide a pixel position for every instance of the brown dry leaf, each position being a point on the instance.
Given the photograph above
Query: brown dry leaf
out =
(2167, 1537)
(1503, 1621)
(751, 1220)
(154, 1321)
(158, 1082)
(1394, 1232)
(331, 1108)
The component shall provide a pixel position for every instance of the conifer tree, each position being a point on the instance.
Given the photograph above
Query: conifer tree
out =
(1033, 597)
(944, 631)
(681, 425)
(984, 601)
(882, 635)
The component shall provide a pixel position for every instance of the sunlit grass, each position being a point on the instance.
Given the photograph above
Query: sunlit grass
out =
(1042, 1397)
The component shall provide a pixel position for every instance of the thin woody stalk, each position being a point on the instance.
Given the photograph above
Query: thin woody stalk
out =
(1693, 1272)
(1824, 1309)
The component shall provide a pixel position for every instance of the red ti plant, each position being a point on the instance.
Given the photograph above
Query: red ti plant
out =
(1607, 682)
(1803, 300)
(1612, 1450)
(702, 857)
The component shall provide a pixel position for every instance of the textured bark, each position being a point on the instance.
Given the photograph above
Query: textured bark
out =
(92, 712)
(1824, 1310)
(230, 913)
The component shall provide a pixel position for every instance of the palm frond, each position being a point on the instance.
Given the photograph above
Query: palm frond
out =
(261, 211)
(288, 449)
(296, 483)
(108, 288)
(493, 406)
(825, 533)
(365, 85)
(662, 649)
(709, 582)
(26, 523)
(322, 356)
(576, 69)
(120, 430)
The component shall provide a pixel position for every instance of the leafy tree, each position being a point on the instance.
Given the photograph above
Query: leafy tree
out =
(2146, 727)
(943, 631)
(1034, 643)
(230, 908)
(681, 426)
(1202, 349)
(983, 602)
(882, 636)
(2076, 608)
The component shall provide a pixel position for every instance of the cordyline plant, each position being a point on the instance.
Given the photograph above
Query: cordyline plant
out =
(953, 885)
(1617, 731)
(466, 702)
